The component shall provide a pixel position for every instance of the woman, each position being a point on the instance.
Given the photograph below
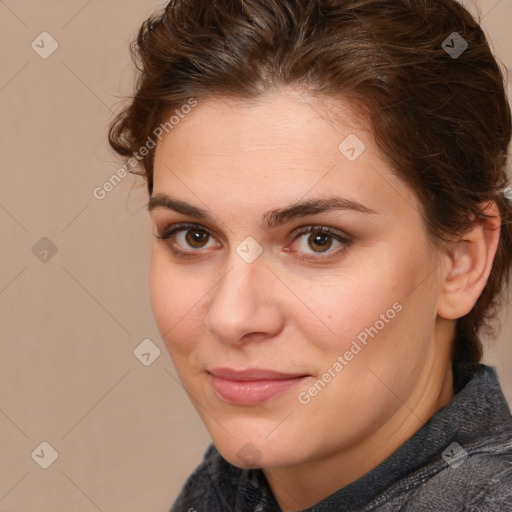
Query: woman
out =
(332, 233)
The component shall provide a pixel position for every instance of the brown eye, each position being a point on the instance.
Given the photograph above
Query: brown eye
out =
(196, 238)
(187, 239)
(320, 241)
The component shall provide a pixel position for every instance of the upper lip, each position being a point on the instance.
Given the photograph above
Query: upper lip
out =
(252, 374)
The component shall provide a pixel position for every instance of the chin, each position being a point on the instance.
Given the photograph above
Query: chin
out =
(257, 451)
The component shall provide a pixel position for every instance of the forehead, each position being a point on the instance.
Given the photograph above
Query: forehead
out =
(282, 147)
(287, 119)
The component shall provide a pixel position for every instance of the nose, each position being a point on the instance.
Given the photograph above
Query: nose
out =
(244, 305)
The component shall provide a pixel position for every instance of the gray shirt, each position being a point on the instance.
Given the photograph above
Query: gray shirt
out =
(460, 460)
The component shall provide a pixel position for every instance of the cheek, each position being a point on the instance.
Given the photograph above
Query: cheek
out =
(366, 315)
(175, 301)
(340, 306)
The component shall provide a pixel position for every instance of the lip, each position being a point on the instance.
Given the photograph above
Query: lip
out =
(252, 386)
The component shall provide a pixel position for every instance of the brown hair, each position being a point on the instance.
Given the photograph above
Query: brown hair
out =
(441, 118)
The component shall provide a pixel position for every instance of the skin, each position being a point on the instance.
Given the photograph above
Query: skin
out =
(239, 160)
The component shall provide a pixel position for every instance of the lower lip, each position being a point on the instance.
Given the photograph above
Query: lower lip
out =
(252, 392)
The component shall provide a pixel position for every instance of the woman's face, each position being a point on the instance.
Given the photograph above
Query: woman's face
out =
(336, 334)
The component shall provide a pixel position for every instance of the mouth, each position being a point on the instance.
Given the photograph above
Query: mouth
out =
(251, 387)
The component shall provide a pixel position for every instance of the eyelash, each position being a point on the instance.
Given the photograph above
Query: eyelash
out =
(303, 230)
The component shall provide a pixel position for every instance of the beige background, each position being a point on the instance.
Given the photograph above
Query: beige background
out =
(125, 433)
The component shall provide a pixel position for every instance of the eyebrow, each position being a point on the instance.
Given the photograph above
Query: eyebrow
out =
(270, 219)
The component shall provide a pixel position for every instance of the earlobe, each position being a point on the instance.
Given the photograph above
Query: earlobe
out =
(468, 264)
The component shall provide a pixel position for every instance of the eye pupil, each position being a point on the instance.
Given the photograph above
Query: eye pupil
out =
(319, 240)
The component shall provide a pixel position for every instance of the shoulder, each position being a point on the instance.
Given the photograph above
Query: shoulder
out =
(481, 481)
(494, 488)
(467, 454)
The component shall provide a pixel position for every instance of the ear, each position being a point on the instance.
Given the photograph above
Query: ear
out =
(467, 264)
